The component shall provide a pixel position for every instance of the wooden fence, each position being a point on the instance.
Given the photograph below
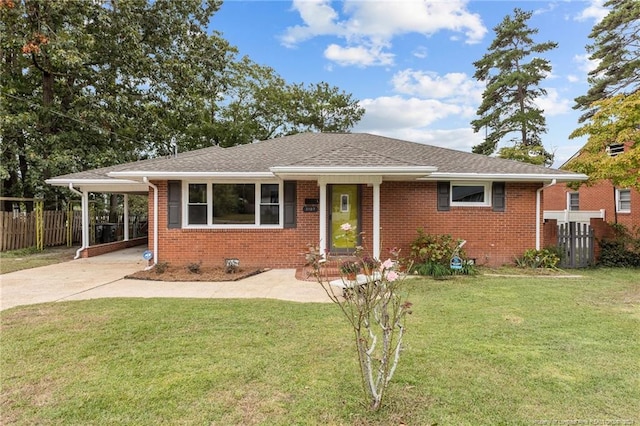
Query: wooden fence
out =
(18, 230)
(576, 240)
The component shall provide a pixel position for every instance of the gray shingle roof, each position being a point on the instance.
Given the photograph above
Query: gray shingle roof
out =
(319, 150)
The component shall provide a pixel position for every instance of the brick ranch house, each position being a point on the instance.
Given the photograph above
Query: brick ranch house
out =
(601, 200)
(264, 202)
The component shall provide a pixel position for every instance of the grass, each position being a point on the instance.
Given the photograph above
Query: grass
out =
(479, 351)
(27, 258)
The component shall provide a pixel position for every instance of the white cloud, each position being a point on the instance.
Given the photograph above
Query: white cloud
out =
(461, 139)
(584, 63)
(409, 119)
(319, 18)
(380, 19)
(458, 87)
(359, 55)
(369, 26)
(553, 104)
(573, 78)
(595, 11)
(393, 112)
(420, 52)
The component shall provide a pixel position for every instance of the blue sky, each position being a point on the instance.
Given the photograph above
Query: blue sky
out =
(410, 62)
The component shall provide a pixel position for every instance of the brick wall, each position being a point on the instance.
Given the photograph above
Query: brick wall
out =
(98, 249)
(274, 248)
(599, 196)
(493, 238)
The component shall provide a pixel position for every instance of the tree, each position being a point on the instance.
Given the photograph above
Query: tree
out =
(616, 48)
(260, 104)
(615, 121)
(86, 84)
(93, 83)
(512, 72)
(376, 310)
(322, 108)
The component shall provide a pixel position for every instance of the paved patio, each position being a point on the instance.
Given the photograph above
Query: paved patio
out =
(103, 276)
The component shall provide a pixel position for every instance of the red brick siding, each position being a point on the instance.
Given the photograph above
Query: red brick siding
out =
(99, 249)
(493, 238)
(254, 247)
(596, 197)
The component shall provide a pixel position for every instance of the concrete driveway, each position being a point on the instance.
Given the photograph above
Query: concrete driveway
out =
(103, 276)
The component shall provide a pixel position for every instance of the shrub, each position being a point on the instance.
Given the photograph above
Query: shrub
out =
(194, 267)
(545, 258)
(161, 267)
(431, 255)
(617, 254)
(624, 250)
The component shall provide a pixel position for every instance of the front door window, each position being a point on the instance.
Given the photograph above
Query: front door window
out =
(345, 203)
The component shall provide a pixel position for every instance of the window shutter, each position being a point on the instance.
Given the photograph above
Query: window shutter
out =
(498, 197)
(443, 196)
(290, 204)
(174, 201)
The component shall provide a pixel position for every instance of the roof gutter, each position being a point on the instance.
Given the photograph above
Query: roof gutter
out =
(155, 222)
(85, 219)
(133, 175)
(538, 212)
(515, 177)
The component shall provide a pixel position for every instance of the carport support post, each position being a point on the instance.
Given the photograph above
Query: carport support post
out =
(85, 220)
(126, 217)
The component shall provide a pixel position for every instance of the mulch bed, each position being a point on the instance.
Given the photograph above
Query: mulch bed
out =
(182, 273)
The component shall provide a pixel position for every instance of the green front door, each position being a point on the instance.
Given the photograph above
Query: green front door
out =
(345, 208)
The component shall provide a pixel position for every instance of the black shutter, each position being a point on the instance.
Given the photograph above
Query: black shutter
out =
(290, 204)
(443, 196)
(174, 201)
(498, 197)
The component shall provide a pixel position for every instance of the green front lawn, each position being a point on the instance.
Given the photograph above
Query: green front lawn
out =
(479, 351)
(27, 258)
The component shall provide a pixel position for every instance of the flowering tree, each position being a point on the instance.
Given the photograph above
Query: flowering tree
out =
(376, 310)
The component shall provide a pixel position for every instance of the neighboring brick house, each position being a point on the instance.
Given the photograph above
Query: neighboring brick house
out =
(602, 199)
(265, 202)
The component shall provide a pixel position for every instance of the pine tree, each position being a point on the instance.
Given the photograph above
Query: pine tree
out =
(512, 72)
(616, 47)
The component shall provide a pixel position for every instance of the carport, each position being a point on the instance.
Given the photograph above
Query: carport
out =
(97, 181)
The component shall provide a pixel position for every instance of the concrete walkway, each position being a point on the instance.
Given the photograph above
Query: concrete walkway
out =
(103, 276)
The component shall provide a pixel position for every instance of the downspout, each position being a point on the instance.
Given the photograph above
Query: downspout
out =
(155, 222)
(85, 219)
(538, 212)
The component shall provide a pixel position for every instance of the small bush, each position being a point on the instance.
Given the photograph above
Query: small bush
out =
(194, 268)
(545, 258)
(431, 255)
(161, 267)
(617, 254)
(624, 250)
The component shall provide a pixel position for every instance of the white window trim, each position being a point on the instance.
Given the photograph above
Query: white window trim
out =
(258, 198)
(569, 201)
(618, 209)
(487, 194)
